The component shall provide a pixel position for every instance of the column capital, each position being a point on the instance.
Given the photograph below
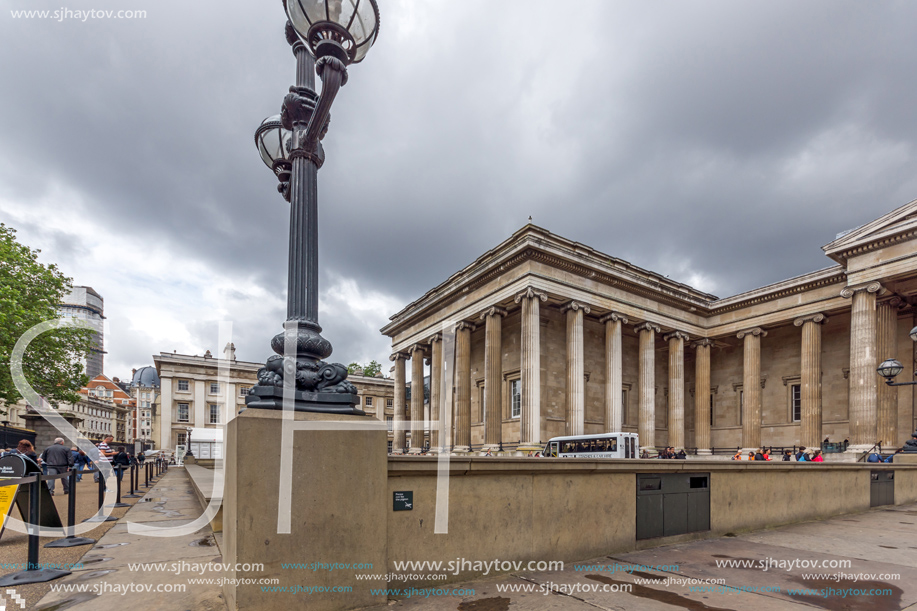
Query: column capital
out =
(870, 287)
(613, 317)
(677, 335)
(493, 311)
(647, 326)
(399, 356)
(416, 348)
(464, 325)
(436, 337)
(703, 343)
(530, 293)
(575, 305)
(755, 331)
(816, 318)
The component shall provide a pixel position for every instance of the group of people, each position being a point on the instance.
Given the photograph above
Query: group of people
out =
(58, 459)
(759, 454)
(669, 453)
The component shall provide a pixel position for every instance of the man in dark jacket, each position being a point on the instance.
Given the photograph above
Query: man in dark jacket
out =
(911, 444)
(59, 459)
(122, 459)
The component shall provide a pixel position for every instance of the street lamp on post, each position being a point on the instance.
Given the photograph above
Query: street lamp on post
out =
(890, 368)
(326, 37)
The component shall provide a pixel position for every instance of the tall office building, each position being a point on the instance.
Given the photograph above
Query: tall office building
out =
(84, 303)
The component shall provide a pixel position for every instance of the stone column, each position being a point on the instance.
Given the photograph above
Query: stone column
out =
(398, 403)
(751, 386)
(417, 422)
(863, 408)
(676, 416)
(887, 396)
(436, 381)
(702, 396)
(646, 391)
(614, 365)
(810, 380)
(493, 378)
(463, 386)
(530, 366)
(576, 370)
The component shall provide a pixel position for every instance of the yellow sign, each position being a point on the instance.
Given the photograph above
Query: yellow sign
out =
(7, 498)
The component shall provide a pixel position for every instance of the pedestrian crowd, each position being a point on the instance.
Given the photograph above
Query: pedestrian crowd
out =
(57, 459)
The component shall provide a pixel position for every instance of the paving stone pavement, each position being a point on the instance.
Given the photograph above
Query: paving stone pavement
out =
(864, 561)
(107, 580)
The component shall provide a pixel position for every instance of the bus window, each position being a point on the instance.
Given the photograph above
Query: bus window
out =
(554, 446)
(613, 444)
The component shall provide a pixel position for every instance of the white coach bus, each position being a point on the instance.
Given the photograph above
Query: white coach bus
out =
(605, 445)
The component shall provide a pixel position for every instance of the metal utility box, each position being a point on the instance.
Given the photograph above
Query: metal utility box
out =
(672, 504)
(882, 488)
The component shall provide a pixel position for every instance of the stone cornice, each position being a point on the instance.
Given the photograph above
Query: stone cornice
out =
(816, 318)
(792, 286)
(493, 311)
(647, 326)
(754, 331)
(614, 317)
(870, 287)
(575, 306)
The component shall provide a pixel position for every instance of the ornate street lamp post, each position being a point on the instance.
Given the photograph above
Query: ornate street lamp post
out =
(326, 36)
(890, 368)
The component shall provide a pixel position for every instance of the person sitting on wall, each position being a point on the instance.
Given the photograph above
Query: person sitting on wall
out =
(891, 457)
(759, 455)
(682, 455)
(801, 454)
(911, 444)
(738, 455)
(874, 457)
(787, 456)
(817, 457)
(751, 455)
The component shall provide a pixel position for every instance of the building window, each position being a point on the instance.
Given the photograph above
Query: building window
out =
(389, 447)
(244, 390)
(180, 439)
(369, 402)
(214, 413)
(389, 403)
(214, 388)
(389, 420)
(515, 398)
(479, 411)
(796, 402)
(741, 406)
(184, 385)
(711, 410)
(183, 415)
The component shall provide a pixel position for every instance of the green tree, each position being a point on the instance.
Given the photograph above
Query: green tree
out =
(369, 370)
(30, 293)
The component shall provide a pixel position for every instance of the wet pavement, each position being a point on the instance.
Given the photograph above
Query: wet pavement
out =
(864, 561)
(127, 570)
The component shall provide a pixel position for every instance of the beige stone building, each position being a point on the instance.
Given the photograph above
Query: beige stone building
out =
(198, 392)
(552, 337)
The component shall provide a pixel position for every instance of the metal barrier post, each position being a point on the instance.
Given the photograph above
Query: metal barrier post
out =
(119, 471)
(33, 572)
(146, 475)
(70, 540)
(98, 517)
(133, 492)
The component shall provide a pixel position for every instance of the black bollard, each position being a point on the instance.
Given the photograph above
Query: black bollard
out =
(146, 475)
(99, 517)
(33, 572)
(134, 493)
(119, 472)
(71, 540)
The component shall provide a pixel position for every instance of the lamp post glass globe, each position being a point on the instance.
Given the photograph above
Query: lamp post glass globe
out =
(343, 28)
(890, 368)
(273, 142)
(913, 334)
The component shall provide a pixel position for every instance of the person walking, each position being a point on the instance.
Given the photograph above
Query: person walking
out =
(123, 460)
(58, 459)
(80, 462)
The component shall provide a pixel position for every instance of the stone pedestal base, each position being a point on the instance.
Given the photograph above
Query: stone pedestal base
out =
(906, 458)
(415, 451)
(704, 452)
(45, 433)
(339, 503)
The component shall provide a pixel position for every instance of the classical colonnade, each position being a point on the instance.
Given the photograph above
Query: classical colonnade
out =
(872, 410)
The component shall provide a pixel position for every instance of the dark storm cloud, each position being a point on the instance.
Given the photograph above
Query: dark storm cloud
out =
(719, 140)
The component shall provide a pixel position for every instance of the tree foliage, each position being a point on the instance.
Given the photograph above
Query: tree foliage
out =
(30, 293)
(369, 370)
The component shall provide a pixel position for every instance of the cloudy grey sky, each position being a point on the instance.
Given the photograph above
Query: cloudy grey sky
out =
(718, 142)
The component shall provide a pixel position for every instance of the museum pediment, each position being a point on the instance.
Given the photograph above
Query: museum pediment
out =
(899, 225)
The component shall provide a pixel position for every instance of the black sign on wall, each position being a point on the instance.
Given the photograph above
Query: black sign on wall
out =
(404, 501)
